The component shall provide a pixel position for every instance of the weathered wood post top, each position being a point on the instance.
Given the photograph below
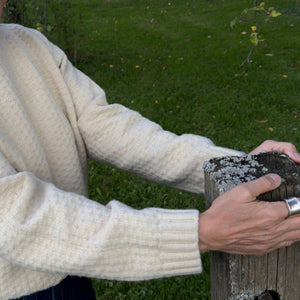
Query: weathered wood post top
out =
(272, 276)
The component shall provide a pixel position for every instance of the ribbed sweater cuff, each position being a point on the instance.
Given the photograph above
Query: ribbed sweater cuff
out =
(179, 243)
(162, 242)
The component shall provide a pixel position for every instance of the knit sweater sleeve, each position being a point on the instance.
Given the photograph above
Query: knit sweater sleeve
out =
(38, 232)
(37, 227)
(125, 139)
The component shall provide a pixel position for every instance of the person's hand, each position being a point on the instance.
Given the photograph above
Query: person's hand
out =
(274, 146)
(238, 223)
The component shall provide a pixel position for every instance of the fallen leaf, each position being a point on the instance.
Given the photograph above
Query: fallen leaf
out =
(274, 14)
(239, 74)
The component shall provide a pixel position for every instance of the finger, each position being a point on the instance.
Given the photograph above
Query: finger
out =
(283, 228)
(285, 211)
(261, 185)
(294, 155)
(279, 209)
(284, 147)
(288, 149)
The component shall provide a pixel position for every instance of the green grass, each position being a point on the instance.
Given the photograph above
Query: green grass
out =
(177, 62)
(178, 65)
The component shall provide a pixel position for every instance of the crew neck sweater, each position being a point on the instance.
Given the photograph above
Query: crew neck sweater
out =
(52, 118)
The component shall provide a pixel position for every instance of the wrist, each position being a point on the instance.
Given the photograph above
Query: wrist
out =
(203, 233)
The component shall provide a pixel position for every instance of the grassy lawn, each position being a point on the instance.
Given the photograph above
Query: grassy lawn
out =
(177, 62)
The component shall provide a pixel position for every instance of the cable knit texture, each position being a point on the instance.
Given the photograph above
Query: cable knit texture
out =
(52, 117)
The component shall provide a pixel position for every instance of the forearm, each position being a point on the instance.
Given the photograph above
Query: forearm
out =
(123, 138)
(116, 135)
(43, 228)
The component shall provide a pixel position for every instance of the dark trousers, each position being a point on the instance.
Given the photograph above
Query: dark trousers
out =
(71, 288)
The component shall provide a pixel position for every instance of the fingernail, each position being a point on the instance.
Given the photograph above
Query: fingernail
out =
(275, 177)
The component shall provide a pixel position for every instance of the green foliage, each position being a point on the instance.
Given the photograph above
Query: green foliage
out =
(61, 18)
(251, 15)
(26, 12)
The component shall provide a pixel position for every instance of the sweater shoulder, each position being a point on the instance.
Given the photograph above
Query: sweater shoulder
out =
(31, 41)
(20, 34)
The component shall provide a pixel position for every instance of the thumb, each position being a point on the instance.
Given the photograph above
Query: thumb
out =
(263, 184)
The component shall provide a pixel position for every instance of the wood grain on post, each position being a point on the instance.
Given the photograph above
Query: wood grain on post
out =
(239, 277)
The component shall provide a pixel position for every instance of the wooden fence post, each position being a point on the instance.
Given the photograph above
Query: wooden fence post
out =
(239, 277)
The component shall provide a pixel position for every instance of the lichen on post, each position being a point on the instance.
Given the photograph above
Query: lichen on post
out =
(276, 274)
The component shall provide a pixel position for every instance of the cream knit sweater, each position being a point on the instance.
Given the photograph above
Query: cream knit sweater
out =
(51, 118)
